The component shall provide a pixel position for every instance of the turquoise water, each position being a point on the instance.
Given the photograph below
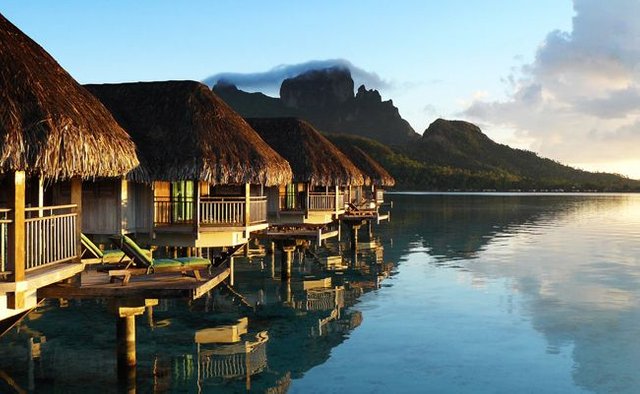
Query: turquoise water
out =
(479, 293)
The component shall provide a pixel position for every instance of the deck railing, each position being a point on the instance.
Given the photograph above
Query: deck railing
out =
(4, 225)
(258, 210)
(173, 210)
(222, 210)
(324, 201)
(234, 360)
(50, 235)
(213, 211)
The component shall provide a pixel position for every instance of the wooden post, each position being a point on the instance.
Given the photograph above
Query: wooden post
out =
(196, 209)
(247, 209)
(273, 260)
(354, 237)
(307, 186)
(40, 195)
(76, 199)
(123, 201)
(354, 245)
(126, 342)
(16, 245)
(286, 262)
(152, 211)
(337, 197)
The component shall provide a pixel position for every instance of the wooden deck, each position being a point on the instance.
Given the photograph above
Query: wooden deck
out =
(354, 216)
(296, 231)
(95, 284)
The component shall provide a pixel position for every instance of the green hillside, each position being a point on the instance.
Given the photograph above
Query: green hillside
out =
(458, 156)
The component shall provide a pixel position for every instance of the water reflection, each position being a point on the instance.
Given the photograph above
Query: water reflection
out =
(491, 294)
(257, 335)
(571, 263)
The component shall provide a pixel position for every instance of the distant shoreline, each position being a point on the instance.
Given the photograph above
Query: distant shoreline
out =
(507, 194)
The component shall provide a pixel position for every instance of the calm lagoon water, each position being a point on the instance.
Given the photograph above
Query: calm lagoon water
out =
(487, 293)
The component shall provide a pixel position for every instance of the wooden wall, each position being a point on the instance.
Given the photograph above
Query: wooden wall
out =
(100, 207)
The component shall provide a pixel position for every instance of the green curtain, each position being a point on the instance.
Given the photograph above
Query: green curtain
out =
(182, 196)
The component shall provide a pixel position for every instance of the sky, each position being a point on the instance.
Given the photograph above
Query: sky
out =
(558, 77)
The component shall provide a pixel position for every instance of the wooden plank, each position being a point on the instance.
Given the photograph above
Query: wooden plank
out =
(148, 286)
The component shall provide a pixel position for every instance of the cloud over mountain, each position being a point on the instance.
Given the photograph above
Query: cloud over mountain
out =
(269, 81)
(579, 100)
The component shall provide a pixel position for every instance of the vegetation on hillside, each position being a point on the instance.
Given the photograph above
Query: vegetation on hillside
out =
(415, 169)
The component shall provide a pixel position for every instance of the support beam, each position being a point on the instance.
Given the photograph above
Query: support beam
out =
(126, 311)
(40, 195)
(16, 245)
(247, 209)
(126, 342)
(123, 201)
(307, 197)
(369, 236)
(286, 262)
(337, 197)
(354, 236)
(76, 199)
(196, 208)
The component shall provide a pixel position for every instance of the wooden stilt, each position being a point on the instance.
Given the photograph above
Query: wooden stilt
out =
(286, 262)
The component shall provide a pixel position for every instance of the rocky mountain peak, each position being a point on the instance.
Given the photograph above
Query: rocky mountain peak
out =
(329, 87)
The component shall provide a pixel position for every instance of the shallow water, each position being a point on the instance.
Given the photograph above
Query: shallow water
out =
(487, 293)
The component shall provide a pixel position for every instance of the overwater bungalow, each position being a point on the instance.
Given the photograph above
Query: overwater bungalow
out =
(369, 197)
(203, 169)
(320, 171)
(53, 135)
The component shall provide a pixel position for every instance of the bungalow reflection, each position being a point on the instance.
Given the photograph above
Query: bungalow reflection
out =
(258, 335)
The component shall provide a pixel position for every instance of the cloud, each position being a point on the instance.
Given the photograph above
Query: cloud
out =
(579, 100)
(270, 81)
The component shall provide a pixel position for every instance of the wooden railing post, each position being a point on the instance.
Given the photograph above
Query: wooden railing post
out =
(76, 199)
(16, 245)
(308, 197)
(40, 195)
(247, 207)
(196, 208)
(337, 204)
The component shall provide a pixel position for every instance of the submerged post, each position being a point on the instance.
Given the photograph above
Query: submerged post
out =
(126, 311)
(286, 262)
(354, 236)
(126, 343)
(369, 230)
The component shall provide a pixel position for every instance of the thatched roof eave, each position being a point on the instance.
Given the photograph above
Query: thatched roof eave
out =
(49, 124)
(313, 158)
(185, 132)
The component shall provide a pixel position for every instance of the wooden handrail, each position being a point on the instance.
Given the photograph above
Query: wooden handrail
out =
(50, 208)
(64, 215)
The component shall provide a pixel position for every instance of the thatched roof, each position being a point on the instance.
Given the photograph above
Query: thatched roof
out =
(49, 124)
(312, 157)
(183, 131)
(374, 173)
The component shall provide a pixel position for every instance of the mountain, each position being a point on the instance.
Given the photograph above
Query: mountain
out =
(450, 155)
(326, 99)
(457, 155)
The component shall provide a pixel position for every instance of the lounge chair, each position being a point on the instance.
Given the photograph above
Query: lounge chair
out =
(145, 264)
(92, 254)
